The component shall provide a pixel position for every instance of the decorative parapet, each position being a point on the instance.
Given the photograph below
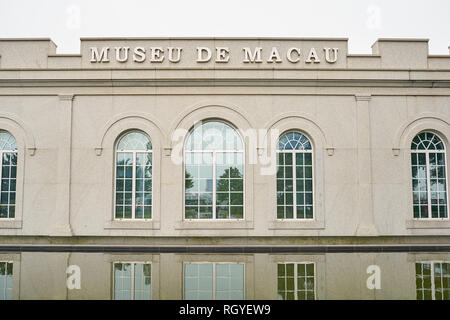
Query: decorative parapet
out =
(220, 53)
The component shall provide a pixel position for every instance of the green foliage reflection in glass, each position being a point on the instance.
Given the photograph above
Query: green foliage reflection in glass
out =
(429, 177)
(134, 177)
(433, 280)
(296, 281)
(8, 174)
(214, 172)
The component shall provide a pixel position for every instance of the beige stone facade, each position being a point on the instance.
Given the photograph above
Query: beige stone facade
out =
(361, 113)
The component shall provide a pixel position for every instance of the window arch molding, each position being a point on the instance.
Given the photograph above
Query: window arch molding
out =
(231, 114)
(25, 147)
(234, 117)
(322, 148)
(429, 122)
(424, 122)
(106, 152)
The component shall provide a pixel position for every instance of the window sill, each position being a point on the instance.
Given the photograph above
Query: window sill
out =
(138, 225)
(10, 224)
(296, 225)
(213, 225)
(428, 224)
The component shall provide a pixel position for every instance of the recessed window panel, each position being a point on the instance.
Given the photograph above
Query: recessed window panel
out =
(214, 168)
(294, 177)
(133, 183)
(429, 180)
(8, 175)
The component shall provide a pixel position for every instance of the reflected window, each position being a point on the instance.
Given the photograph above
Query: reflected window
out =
(221, 281)
(8, 174)
(214, 172)
(294, 177)
(429, 177)
(296, 281)
(433, 280)
(6, 274)
(132, 281)
(133, 196)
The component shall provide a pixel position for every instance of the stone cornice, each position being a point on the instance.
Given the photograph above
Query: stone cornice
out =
(222, 83)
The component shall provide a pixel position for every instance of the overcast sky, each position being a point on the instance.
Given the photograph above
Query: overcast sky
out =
(362, 21)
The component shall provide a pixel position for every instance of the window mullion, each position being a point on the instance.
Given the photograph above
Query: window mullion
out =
(433, 287)
(133, 188)
(295, 281)
(132, 281)
(214, 185)
(1, 175)
(294, 183)
(214, 281)
(428, 168)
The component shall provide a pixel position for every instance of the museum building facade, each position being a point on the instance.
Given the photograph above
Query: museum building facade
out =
(240, 141)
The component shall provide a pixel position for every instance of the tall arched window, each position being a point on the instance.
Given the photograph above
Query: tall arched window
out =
(8, 174)
(133, 177)
(214, 172)
(429, 177)
(294, 177)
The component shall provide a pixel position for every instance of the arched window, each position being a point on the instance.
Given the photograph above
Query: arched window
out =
(214, 172)
(133, 177)
(429, 177)
(8, 174)
(294, 177)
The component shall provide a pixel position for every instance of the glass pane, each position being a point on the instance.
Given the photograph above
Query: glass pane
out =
(134, 141)
(293, 141)
(213, 135)
(7, 141)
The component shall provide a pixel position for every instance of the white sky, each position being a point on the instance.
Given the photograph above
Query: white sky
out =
(362, 21)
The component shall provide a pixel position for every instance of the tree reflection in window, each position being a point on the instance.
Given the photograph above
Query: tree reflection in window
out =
(133, 197)
(429, 177)
(214, 173)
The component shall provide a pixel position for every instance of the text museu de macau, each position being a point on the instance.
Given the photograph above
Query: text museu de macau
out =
(272, 55)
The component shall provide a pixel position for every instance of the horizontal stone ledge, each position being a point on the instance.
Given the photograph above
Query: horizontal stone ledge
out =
(226, 83)
(227, 249)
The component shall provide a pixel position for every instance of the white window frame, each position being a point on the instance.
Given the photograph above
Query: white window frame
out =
(433, 286)
(1, 178)
(214, 276)
(294, 179)
(133, 195)
(296, 276)
(132, 277)
(428, 170)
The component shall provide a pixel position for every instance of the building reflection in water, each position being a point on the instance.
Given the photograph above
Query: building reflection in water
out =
(433, 280)
(206, 281)
(262, 276)
(296, 281)
(132, 281)
(6, 274)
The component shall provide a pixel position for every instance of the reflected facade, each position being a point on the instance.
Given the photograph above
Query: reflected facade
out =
(296, 281)
(433, 280)
(258, 276)
(132, 281)
(208, 281)
(6, 273)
